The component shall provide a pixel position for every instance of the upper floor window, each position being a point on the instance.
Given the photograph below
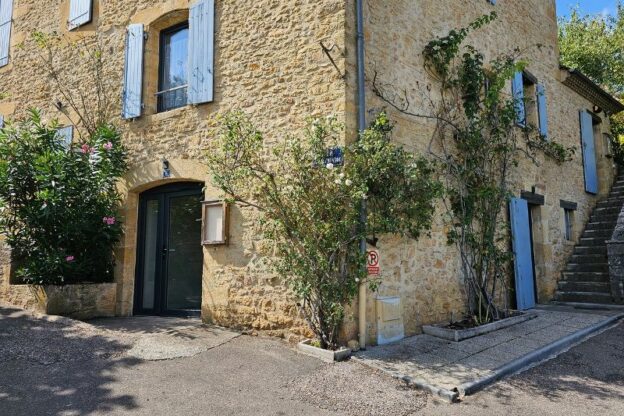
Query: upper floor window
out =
(80, 13)
(530, 101)
(6, 16)
(173, 76)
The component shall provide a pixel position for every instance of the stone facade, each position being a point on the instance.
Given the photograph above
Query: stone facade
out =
(269, 62)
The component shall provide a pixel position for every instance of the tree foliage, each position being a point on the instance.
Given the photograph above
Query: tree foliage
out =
(58, 204)
(594, 44)
(310, 207)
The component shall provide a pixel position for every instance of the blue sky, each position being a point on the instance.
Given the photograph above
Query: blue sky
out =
(587, 6)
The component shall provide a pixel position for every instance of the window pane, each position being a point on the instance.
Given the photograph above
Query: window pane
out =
(174, 71)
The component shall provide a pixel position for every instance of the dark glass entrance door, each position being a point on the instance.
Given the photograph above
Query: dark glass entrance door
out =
(170, 256)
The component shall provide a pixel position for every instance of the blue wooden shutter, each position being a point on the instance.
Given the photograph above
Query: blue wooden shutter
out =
(6, 16)
(133, 76)
(589, 152)
(542, 110)
(517, 87)
(66, 135)
(80, 13)
(201, 52)
(523, 253)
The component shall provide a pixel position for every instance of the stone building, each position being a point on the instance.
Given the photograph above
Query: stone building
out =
(177, 65)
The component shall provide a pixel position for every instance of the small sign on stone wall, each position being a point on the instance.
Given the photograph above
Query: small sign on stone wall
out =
(373, 263)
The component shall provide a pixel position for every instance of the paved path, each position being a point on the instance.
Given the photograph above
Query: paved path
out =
(448, 365)
(69, 368)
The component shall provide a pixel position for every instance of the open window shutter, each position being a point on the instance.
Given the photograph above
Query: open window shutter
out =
(517, 88)
(66, 135)
(6, 15)
(133, 76)
(542, 110)
(80, 13)
(201, 52)
(523, 253)
(589, 152)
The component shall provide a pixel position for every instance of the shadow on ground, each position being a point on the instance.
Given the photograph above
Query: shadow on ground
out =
(65, 369)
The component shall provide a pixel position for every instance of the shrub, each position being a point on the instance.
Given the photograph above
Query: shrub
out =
(310, 207)
(58, 205)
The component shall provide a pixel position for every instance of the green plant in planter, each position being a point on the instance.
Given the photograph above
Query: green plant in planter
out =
(58, 204)
(309, 207)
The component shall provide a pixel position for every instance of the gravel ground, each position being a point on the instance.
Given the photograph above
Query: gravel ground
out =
(68, 368)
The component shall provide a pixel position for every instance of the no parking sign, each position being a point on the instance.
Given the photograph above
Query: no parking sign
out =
(373, 263)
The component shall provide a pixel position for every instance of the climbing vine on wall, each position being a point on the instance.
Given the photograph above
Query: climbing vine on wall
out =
(477, 144)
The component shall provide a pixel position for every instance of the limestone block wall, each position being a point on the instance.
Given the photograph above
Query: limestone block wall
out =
(268, 63)
(425, 274)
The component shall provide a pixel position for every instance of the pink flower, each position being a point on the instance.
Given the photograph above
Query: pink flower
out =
(70, 258)
(109, 220)
(85, 149)
(108, 146)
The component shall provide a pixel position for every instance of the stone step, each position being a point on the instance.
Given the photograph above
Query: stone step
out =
(591, 241)
(588, 267)
(585, 250)
(585, 277)
(608, 203)
(584, 297)
(593, 287)
(588, 258)
(605, 233)
(600, 226)
(607, 210)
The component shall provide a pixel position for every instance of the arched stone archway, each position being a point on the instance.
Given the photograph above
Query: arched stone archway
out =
(141, 178)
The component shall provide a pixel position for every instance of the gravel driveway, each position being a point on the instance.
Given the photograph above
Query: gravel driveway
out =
(72, 368)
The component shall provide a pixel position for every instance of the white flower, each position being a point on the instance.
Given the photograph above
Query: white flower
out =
(365, 197)
(348, 182)
(436, 48)
(329, 166)
(342, 175)
(338, 182)
(357, 280)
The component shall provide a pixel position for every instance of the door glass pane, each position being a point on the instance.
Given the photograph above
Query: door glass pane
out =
(150, 254)
(185, 254)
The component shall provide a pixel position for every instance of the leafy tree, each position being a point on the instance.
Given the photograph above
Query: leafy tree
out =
(310, 207)
(595, 45)
(58, 204)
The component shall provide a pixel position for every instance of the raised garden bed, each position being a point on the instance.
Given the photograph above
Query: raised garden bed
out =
(459, 334)
(326, 355)
(81, 301)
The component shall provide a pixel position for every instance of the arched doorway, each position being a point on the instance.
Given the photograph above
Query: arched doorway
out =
(168, 278)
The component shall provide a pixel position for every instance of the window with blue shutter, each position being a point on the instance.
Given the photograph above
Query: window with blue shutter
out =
(65, 135)
(201, 52)
(517, 87)
(133, 73)
(80, 13)
(6, 16)
(589, 152)
(542, 111)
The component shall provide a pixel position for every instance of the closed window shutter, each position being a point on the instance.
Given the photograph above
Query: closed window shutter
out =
(201, 52)
(542, 110)
(517, 88)
(80, 13)
(66, 135)
(133, 75)
(589, 152)
(6, 15)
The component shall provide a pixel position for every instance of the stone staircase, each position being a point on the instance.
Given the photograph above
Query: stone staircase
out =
(586, 278)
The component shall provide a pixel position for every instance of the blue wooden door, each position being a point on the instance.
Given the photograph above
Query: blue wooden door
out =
(589, 153)
(523, 253)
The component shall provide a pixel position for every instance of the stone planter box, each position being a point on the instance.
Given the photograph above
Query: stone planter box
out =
(328, 356)
(82, 301)
(456, 335)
